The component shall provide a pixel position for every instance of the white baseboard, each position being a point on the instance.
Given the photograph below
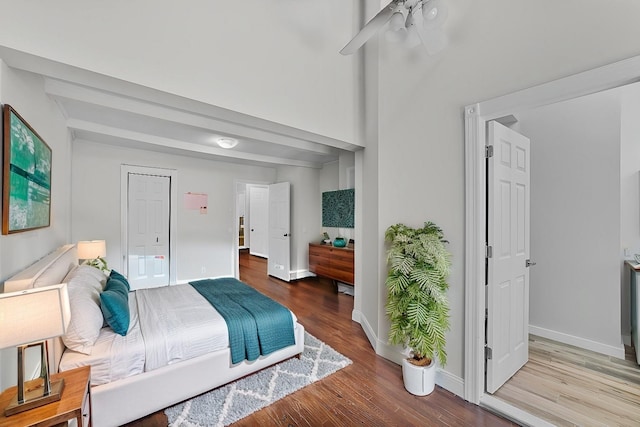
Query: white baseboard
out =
(609, 350)
(450, 382)
(300, 274)
(357, 316)
(444, 379)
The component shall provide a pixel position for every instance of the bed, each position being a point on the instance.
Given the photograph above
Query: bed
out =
(136, 380)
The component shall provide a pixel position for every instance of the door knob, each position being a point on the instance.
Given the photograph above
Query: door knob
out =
(285, 234)
(528, 263)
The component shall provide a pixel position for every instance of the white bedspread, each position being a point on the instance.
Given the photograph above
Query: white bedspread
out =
(177, 323)
(168, 325)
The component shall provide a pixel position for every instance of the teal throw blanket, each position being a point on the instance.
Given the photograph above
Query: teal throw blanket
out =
(257, 324)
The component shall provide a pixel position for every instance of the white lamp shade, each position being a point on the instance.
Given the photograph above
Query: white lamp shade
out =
(92, 249)
(33, 315)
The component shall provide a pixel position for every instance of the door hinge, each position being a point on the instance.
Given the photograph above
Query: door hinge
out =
(488, 251)
(488, 151)
(488, 353)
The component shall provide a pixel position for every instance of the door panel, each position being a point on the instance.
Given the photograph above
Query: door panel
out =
(148, 231)
(508, 235)
(259, 221)
(279, 264)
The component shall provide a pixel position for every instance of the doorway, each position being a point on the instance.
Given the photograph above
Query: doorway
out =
(476, 117)
(148, 224)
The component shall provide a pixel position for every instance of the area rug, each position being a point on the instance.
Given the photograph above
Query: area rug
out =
(230, 403)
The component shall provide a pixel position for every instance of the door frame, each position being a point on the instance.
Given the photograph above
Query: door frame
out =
(236, 245)
(476, 117)
(172, 174)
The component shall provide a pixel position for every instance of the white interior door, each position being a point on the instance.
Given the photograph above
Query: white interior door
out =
(148, 231)
(279, 264)
(259, 221)
(508, 241)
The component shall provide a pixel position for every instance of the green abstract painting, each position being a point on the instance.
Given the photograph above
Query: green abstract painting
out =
(26, 195)
(338, 208)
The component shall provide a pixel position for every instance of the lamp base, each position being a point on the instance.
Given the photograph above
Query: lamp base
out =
(34, 398)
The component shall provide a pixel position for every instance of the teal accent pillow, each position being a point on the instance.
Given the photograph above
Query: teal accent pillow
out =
(114, 303)
(115, 275)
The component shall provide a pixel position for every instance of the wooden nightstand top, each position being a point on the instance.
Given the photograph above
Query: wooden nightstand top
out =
(68, 407)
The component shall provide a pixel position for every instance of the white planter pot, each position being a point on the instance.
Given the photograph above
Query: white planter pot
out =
(419, 380)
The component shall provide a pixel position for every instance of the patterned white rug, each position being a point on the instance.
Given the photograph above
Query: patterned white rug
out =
(230, 403)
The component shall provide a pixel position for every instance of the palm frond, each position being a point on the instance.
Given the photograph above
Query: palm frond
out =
(417, 304)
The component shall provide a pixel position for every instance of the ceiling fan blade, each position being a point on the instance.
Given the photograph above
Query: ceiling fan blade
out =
(370, 29)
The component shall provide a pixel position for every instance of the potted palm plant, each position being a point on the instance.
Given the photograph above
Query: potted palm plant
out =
(417, 303)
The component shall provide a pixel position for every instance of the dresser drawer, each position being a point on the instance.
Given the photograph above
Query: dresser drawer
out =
(331, 262)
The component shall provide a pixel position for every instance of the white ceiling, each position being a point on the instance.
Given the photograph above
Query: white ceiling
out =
(114, 112)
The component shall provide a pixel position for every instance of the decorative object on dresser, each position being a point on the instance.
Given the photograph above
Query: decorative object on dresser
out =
(27, 319)
(332, 262)
(417, 304)
(93, 253)
(339, 242)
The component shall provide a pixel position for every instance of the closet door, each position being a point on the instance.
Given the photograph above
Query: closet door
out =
(148, 231)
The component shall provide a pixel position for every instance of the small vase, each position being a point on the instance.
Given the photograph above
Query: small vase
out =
(339, 242)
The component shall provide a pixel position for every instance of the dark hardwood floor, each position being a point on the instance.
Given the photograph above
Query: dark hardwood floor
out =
(369, 392)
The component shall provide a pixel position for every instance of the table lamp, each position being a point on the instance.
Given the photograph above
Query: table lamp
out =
(27, 319)
(93, 253)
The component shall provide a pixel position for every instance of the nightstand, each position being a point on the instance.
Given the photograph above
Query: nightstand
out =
(75, 403)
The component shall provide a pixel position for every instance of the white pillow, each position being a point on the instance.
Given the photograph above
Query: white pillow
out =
(88, 272)
(84, 287)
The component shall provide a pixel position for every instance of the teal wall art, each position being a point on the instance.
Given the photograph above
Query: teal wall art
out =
(338, 208)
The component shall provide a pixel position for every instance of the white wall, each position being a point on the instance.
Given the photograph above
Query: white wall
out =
(243, 56)
(203, 241)
(575, 221)
(412, 170)
(25, 92)
(629, 193)
(496, 47)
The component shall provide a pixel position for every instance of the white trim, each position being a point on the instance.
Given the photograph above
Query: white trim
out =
(300, 274)
(476, 116)
(508, 411)
(573, 340)
(475, 223)
(450, 382)
(172, 174)
(366, 327)
(236, 243)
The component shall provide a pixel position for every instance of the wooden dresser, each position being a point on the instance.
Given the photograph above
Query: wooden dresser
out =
(331, 262)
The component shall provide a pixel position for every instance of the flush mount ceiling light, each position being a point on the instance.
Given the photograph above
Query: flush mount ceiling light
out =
(407, 18)
(226, 142)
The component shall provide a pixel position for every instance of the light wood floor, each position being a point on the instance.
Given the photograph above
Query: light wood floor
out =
(369, 392)
(569, 386)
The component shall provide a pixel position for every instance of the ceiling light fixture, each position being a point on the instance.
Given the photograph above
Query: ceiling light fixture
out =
(227, 142)
(424, 19)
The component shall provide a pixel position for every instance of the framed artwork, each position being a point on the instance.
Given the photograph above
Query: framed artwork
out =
(26, 176)
(338, 208)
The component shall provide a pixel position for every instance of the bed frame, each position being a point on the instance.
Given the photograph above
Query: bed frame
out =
(134, 397)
